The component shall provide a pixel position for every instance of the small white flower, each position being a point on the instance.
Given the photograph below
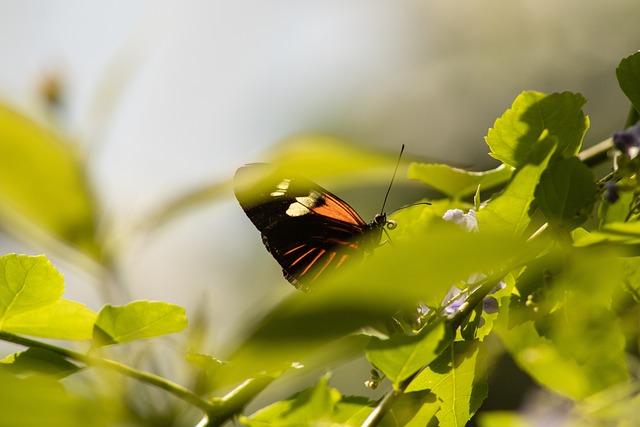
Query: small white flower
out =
(467, 220)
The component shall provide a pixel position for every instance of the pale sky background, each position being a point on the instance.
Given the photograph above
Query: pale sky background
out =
(166, 96)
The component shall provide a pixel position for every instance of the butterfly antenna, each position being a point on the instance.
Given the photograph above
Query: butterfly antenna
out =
(384, 202)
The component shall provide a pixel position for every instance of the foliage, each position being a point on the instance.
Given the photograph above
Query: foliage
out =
(548, 266)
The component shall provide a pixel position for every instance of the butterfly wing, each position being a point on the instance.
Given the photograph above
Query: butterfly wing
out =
(307, 229)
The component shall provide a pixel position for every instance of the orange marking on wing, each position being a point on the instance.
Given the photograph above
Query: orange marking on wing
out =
(322, 251)
(293, 249)
(344, 257)
(337, 209)
(301, 257)
(326, 264)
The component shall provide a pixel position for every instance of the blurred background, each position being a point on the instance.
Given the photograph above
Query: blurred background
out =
(162, 98)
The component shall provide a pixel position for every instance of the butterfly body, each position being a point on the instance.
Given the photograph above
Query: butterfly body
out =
(307, 229)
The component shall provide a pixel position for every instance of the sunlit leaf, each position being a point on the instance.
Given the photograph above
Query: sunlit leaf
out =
(27, 283)
(459, 378)
(509, 211)
(616, 212)
(413, 409)
(458, 183)
(578, 348)
(38, 360)
(138, 320)
(42, 179)
(318, 156)
(401, 355)
(396, 277)
(515, 135)
(40, 400)
(627, 233)
(566, 193)
(628, 74)
(63, 319)
(503, 419)
(315, 404)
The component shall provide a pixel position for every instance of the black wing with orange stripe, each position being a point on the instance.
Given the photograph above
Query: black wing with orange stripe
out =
(307, 229)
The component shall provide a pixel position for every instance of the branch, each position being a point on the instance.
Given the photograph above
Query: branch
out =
(145, 377)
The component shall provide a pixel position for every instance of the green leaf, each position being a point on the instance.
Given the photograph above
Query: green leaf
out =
(311, 405)
(413, 409)
(566, 193)
(27, 283)
(42, 179)
(627, 233)
(515, 135)
(616, 212)
(64, 319)
(509, 211)
(458, 183)
(365, 294)
(138, 320)
(401, 356)
(38, 360)
(40, 400)
(352, 410)
(578, 348)
(459, 378)
(628, 74)
(503, 419)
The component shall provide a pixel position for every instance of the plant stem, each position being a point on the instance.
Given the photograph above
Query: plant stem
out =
(155, 380)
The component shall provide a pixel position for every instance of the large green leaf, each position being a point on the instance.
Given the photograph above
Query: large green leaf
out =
(42, 180)
(63, 319)
(566, 193)
(509, 211)
(628, 74)
(458, 183)
(576, 347)
(138, 320)
(515, 135)
(396, 277)
(310, 406)
(459, 378)
(27, 283)
(38, 360)
(401, 355)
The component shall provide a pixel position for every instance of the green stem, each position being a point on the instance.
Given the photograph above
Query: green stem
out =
(157, 381)
(632, 117)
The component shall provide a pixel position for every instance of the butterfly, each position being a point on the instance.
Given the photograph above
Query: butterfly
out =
(307, 229)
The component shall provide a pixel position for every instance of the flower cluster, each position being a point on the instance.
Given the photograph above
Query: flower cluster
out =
(628, 140)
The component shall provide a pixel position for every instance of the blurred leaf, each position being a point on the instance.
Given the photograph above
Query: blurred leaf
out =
(401, 356)
(628, 74)
(508, 212)
(578, 349)
(304, 408)
(502, 419)
(27, 283)
(458, 183)
(515, 135)
(459, 378)
(627, 233)
(323, 157)
(138, 320)
(566, 193)
(395, 277)
(63, 319)
(42, 179)
(40, 361)
(39, 401)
